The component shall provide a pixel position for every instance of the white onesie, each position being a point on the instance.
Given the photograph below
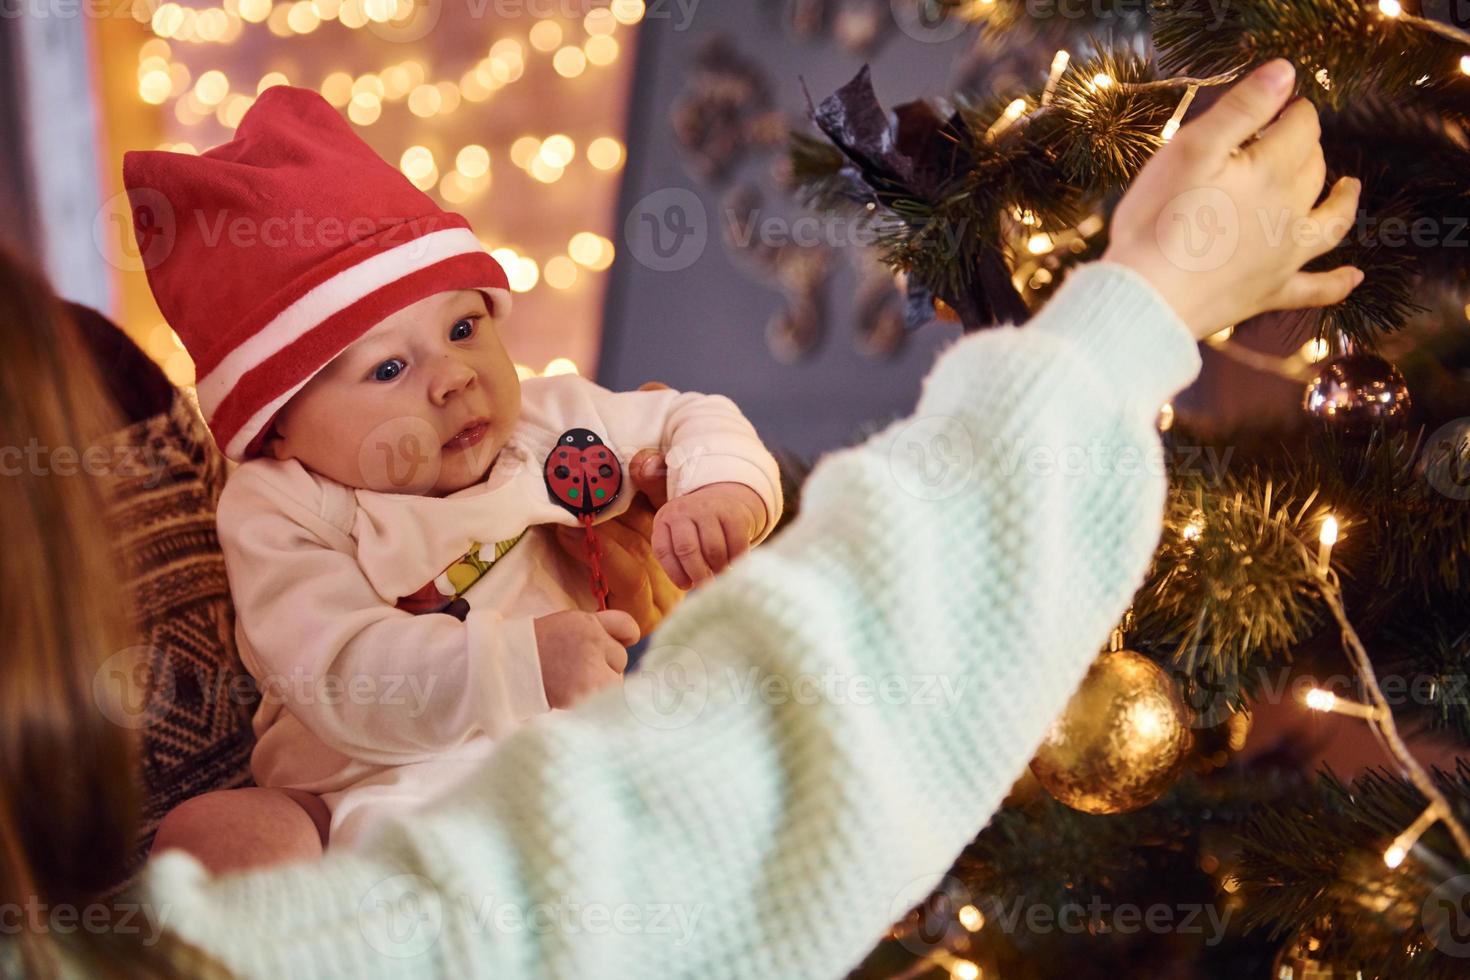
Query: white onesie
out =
(376, 708)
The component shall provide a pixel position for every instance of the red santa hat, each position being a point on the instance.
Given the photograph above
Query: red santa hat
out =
(271, 253)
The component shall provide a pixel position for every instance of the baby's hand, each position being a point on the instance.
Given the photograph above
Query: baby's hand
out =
(582, 652)
(701, 533)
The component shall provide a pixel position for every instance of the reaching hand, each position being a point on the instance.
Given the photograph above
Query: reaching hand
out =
(1222, 226)
(699, 534)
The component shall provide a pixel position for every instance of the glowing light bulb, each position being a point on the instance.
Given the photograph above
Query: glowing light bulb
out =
(560, 365)
(473, 161)
(1390, 8)
(605, 153)
(558, 150)
(546, 35)
(569, 62)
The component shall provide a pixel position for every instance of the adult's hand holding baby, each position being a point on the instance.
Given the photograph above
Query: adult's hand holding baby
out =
(582, 652)
(1222, 226)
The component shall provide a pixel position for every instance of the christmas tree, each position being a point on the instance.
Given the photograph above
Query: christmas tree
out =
(1147, 843)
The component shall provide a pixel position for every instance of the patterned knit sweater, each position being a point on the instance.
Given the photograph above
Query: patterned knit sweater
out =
(816, 734)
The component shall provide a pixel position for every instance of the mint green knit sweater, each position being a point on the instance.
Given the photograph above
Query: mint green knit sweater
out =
(816, 734)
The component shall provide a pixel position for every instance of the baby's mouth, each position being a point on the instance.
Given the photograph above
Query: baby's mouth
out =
(469, 436)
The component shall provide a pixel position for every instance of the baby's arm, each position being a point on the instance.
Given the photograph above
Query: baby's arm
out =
(372, 682)
(724, 485)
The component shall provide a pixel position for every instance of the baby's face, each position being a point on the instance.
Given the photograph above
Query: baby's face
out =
(421, 403)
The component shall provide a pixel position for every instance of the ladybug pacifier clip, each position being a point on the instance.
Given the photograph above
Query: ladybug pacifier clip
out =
(584, 477)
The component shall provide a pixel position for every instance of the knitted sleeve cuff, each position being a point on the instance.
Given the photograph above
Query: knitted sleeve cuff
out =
(1119, 322)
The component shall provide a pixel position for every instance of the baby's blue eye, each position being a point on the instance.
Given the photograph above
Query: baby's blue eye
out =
(388, 370)
(463, 330)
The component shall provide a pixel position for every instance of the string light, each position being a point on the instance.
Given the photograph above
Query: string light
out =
(1058, 66)
(601, 51)
(1326, 540)
(1012, 112)
(473, 161)
(628, 12)
(546, 36)
(560, 272)
(1040, 244)
(964, 970)
(558, 151)
(569, 62)
(1399, 849)
(1390, 8)
(1175, 121)
(591, 250)
(971, 918)
(1326, 702)
(1465, 64)
(270, 79)
(1315, 350)
(605, 153)
(560, 365)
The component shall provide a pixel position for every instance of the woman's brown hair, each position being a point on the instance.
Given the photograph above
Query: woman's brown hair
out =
(69, 796)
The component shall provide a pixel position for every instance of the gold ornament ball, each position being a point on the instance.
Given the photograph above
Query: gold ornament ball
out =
(1122, 740)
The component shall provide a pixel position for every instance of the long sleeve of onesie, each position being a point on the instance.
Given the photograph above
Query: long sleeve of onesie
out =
(696, 822)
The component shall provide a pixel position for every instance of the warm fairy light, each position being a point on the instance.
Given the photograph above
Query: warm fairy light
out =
(254, 11)
(1327, 539)
(523, 273)
(1329, 530)
(302, 18)
(212, 87)
(179, 368)
(560, 272)
(417, 163)
(473, 87)
(1191, 531)
(351, 14)
(1315, 350)
(1465, 64)
(628, 12)
(167, 20)
(1220, 337)
(1325, 701)
(601, 51)
(972, 918)
(569, 62)
(964, 970)
(155, 47)
(327, 9)
(154, 87)
(1176, 120)
(271, 79)
(379, 11)
(605, 153)
(558, 150)
(545, 171)
(397, 82)
(337, 88)
(233, 110)
(1012, 112)
(369, 84)
(425, 101)
(1399, 849)
(473, 161)
(454, 188)
(1058, 66)
(1320, 700)
(364, 109)
(546, 35)
(1040, 244)
(591, 250)
(1166, 411)
(524, 150)
(277, 21)
(560, 365)
(449, 97)
(1102, 80)
(1390, 8)
(524, 371)
(599, 22)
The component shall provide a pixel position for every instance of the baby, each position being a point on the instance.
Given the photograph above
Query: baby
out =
(390, 533)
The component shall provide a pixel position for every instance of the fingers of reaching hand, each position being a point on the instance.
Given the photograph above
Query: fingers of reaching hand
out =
(1245, 110)
(1289, 142)
(1309, 290)
(737, 542)
(712, 545)
(684, 539)
(1335, 216)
